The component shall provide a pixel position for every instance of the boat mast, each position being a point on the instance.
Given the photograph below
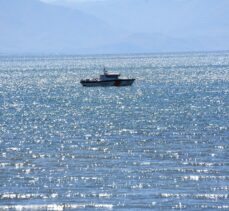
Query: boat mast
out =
(104, 71)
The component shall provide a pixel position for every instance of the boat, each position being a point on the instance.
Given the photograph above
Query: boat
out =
(108, 79)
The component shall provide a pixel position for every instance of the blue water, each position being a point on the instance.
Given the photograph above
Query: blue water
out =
(160, 144)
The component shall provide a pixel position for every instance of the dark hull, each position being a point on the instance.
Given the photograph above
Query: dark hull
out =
(119, 82)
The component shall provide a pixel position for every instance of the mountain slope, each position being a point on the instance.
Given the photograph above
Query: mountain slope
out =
(29, 26)
(120, 26)
(183, 24)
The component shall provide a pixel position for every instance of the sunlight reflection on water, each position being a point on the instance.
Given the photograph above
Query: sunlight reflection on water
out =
(161, 143)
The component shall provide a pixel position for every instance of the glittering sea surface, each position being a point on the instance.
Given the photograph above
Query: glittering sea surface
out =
(160, 144)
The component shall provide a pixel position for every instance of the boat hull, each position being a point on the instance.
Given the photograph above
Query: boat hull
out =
(119, 82)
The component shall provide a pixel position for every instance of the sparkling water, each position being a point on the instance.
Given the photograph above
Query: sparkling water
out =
(162, 143)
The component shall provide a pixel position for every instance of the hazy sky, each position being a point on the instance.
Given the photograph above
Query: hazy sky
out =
(115, 26)
(72, 1)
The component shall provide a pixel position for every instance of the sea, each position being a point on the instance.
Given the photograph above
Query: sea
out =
(160, 144)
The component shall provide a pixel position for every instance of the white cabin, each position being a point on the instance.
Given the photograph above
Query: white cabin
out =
(109, 76)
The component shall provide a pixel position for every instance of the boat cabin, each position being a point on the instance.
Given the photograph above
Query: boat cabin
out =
(109, 76)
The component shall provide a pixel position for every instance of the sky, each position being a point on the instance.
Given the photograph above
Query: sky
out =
(113, 26)
(71, 1)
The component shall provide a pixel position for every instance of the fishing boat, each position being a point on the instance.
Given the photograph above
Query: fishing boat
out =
(108, 79)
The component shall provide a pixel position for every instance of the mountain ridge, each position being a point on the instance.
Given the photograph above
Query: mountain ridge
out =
(35, 27)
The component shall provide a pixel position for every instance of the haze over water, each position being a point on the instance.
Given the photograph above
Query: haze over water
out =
(159, 144)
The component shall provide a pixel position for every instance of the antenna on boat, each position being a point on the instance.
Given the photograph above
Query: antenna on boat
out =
(104, 70)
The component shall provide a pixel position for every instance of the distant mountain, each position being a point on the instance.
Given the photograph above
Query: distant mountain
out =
(30, 26)
(120, 26)
(166, 25)
(163, 16)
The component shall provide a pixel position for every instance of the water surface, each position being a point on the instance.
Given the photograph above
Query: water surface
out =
(162, 143)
